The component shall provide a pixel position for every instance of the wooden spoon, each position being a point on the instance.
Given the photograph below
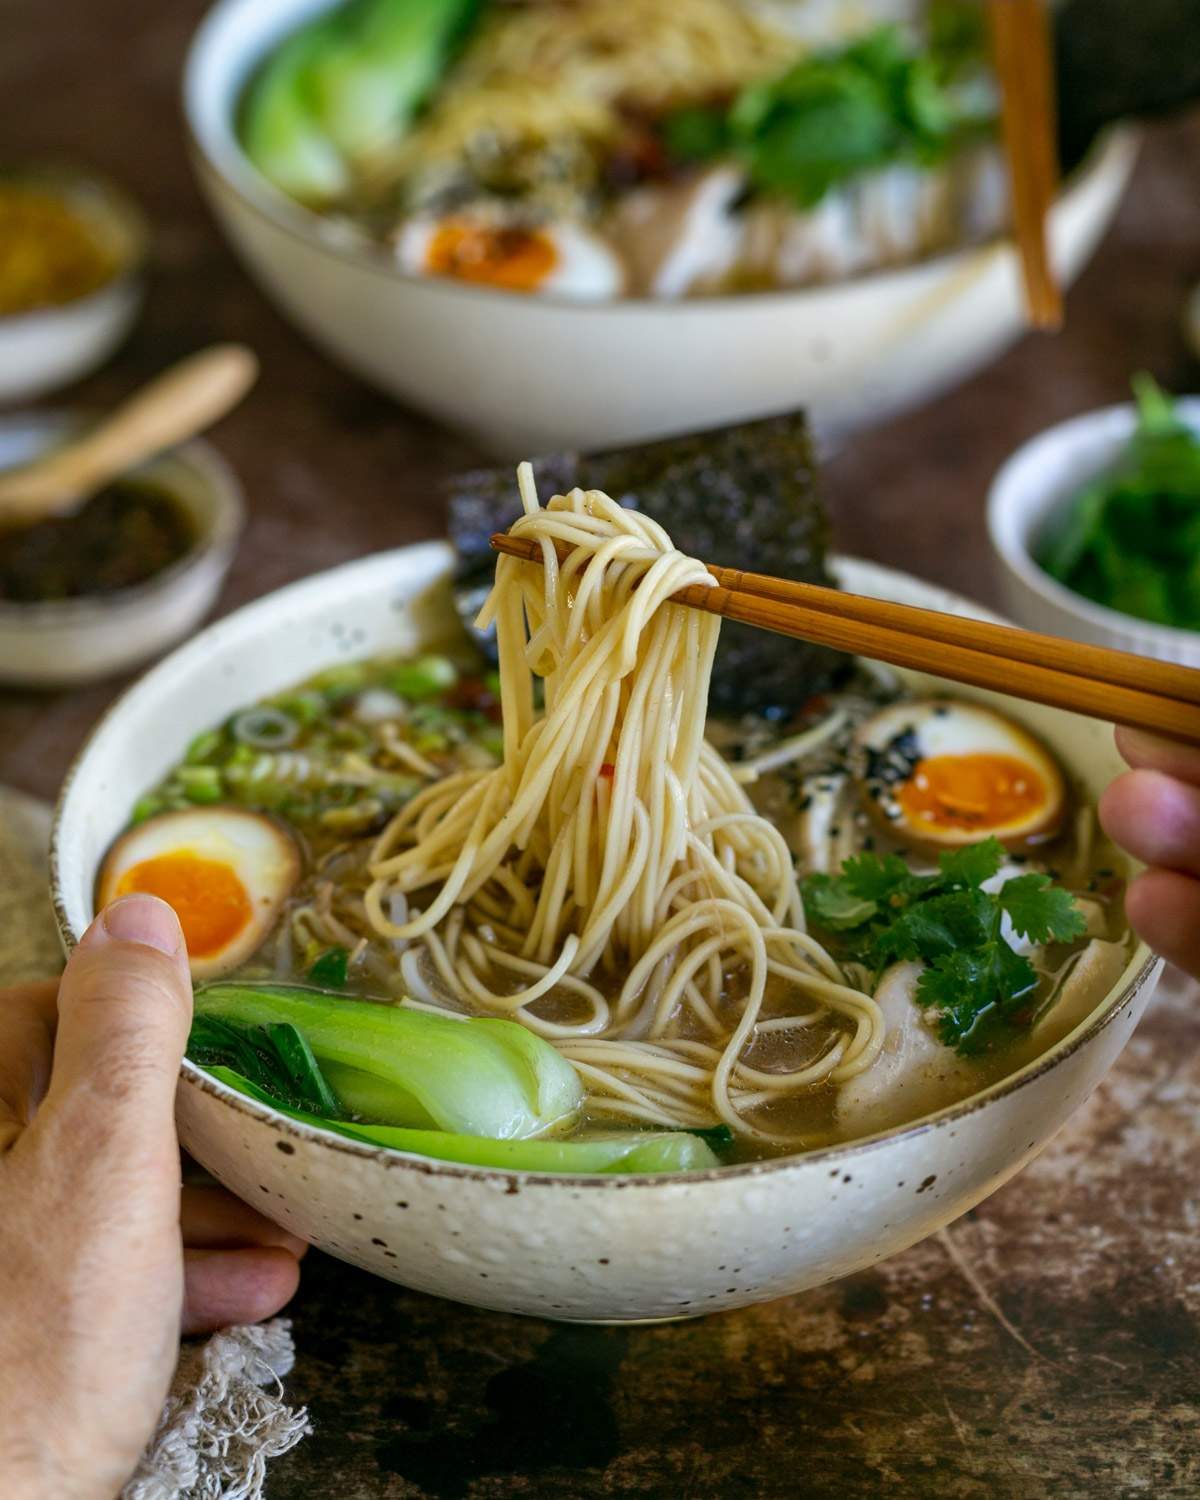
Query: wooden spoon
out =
(174, 406)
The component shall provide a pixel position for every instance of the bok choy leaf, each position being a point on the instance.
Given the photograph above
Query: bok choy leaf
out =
(633, 1151)
(406, 1068)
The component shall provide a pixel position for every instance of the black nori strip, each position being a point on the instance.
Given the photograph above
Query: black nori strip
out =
(744, 496)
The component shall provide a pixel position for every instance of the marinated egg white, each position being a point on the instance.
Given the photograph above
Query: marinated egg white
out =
(940, 773)
(225, 871)
(558, 259)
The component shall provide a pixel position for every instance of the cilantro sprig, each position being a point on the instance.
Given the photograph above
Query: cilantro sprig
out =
(975, 986)
(838, 113)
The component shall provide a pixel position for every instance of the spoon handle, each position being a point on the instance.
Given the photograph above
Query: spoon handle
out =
(176, 405)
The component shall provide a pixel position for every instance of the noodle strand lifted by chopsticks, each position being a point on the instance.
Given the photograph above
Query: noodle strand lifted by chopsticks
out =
(647, 906)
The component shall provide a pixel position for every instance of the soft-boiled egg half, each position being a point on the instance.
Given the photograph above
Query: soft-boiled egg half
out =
(939, 773)
(226, 872)
(558, 259)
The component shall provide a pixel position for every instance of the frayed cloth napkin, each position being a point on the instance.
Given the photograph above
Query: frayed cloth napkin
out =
(225, 1418)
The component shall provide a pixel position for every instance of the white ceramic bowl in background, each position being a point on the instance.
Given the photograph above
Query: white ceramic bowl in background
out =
(1040, 477)
(579, 1248)
(45, 349)
(526, 374)
(63, 643)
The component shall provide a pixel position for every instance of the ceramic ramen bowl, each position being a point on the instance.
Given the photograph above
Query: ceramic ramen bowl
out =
(591, 376)
(575, 1248)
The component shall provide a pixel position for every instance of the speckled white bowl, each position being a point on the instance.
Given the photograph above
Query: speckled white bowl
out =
(577, 1248)
(529, 374)
(1043, 475)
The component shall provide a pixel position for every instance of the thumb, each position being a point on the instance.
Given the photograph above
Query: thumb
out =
(124, 1007)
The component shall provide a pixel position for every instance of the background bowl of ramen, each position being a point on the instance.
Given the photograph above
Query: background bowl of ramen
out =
(576, 1248)
(524, 374)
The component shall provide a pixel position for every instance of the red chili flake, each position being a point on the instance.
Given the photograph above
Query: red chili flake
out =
(608, 769)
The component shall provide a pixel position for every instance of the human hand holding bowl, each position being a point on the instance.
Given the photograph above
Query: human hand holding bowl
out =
(104, 1260)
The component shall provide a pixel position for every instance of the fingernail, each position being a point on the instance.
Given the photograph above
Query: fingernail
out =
(143, 919)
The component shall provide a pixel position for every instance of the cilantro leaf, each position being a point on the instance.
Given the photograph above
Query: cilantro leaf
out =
(880, 880)
(973, 864)
(1041, 911)
(937, 927)
(830, 903)
(977, 988)
(838, 113)
(970, 992)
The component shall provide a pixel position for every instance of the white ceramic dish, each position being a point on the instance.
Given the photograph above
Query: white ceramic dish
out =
(42, 351)
(530, 374)
(79, 640)
(1040, 477)
(579, 1248)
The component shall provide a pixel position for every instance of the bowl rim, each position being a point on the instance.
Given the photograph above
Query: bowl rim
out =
(68, 181)
(1101, 1017)
(225, 518)
(1109, 428)
(282, 212)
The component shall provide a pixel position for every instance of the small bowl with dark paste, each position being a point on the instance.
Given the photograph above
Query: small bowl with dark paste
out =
(129, 573)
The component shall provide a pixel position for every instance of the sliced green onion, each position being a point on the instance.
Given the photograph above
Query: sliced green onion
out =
(422, 678)
(147, 807)
(203, 747)
(306, 708)
(200, 784)
(339, 682)
(265, 728)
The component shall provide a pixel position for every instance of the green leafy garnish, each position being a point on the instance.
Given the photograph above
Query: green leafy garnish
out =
(835, 114)
(975, 986)
(716, 1136)
(346, 86)
(628, 1151)
(276, 1057)
(331, 969)
(1131, 538)
(476, 1091)
(394, 1065)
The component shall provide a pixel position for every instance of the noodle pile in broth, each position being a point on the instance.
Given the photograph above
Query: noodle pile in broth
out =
(610, 884)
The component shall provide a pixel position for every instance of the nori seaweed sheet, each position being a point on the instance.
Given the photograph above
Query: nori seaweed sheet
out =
(743, 496)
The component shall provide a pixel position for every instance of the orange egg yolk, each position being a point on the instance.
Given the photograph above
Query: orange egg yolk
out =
(971, 791)
(516, 260)
(209, 898)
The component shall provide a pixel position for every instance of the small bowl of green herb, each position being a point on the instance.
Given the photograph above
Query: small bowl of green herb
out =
(1096, 524)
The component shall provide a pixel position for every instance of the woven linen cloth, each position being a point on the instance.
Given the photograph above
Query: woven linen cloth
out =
(225, 1418)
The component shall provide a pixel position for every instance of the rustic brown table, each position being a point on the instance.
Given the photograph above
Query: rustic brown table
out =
(1045, 1344)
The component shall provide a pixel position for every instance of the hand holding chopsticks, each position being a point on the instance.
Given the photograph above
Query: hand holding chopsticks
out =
(1115, 686)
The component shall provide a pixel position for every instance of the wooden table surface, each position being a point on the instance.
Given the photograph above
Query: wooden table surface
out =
(1045, 1344)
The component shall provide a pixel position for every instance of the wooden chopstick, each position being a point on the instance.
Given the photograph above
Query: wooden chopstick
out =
(962, 650)
(1119, 668)
(1021, 50)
